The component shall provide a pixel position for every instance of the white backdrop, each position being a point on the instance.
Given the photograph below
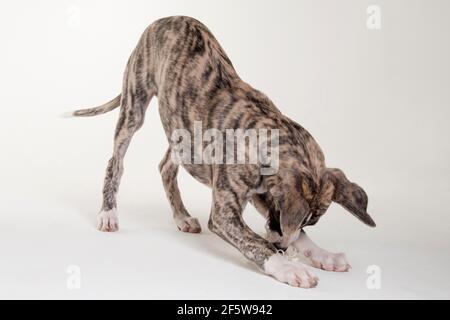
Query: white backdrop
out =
(377, 101)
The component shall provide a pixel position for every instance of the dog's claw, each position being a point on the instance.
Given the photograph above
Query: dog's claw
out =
(107, 221)
(292, 273)
(189, 225)
(336, 262)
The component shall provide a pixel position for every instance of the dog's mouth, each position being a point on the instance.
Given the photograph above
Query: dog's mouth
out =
(279, 246)
(282, 243)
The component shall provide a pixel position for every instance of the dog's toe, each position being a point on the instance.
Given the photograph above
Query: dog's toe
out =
(190, 225)
(107, 221)
(292, 273)
(336, 262)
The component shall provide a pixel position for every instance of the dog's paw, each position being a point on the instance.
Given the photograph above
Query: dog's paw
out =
(190, 225)
(108, 221)
(327, 261)
(292, 273)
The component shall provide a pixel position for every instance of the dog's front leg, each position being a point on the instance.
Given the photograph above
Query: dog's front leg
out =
(319, 257)
(227, 222)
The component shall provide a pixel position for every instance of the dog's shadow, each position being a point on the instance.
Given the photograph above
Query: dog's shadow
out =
(206, 241)
(214, 246)
(144, 219)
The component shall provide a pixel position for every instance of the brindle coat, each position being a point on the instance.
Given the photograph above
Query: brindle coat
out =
(179, 61)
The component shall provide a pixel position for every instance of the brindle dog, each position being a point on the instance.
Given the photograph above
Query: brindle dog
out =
(180, 61)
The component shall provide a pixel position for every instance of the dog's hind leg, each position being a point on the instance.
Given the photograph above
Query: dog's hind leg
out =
(183, 219)
(134, 103)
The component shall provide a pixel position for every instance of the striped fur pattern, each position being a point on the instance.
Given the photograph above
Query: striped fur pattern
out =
(179, 61)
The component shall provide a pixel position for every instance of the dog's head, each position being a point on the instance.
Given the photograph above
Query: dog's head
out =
(295, 201)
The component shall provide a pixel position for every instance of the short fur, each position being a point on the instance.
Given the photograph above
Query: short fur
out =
(179, 61)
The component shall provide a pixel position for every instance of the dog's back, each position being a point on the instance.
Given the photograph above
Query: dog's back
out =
(194, 79)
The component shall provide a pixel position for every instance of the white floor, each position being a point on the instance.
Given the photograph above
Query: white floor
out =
(44, 232)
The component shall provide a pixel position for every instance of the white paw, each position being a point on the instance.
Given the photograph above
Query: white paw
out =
(108, 221)
(292, 273)
(190, 225)
(327, 261)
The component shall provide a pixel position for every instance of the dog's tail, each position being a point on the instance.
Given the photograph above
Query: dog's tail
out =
(111, 105)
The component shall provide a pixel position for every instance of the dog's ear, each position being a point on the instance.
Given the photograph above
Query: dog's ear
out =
(349, 195)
